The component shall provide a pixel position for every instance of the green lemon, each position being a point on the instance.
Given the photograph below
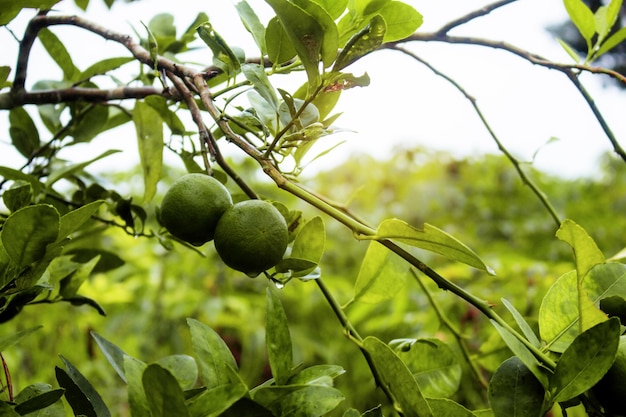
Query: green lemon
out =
(192, 206)
(251, 237)
(611, 390)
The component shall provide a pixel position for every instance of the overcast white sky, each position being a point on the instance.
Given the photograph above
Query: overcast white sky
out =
(405, 103)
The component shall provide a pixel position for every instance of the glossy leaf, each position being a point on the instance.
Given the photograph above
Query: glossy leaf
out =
(434, 366)
(81, 395)
(558, 313)
(27, 232)
(88, 122)
(69, 170)
(170, 118)
(23, 132)
(252, 24)
(362, 43)
(306, 35)
(256, 75)
(57, 51)
(401, 19)
(432, 239)
(10, 9)
(298, 400)
(182, 367)
(223, 56)
(104, 66)
(164, 395)
(582, 17)
(278, 339)
(74, 219)
(133, 370)
(310, 241)
(38, 397)
(397, 378)
(212, 355)
(586, 251)
(317, 375)
(523, 354)
(330, 39)
(522, 323)
(381, 276)
(585, 361)
(70, 285)
(112, 353)
(515, 392)
(18, 196)
(444, 407)
(213, 402)
(279, 47)
(612, 41)
(149, 128)
(334, 8)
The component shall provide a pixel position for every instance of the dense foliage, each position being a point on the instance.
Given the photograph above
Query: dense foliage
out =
(420, 285)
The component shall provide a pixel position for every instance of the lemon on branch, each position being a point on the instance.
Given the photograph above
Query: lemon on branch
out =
(192, 207)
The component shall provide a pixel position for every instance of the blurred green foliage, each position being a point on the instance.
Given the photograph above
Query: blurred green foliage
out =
(480, 200)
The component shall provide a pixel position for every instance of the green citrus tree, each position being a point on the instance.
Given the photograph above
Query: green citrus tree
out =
(57, 221)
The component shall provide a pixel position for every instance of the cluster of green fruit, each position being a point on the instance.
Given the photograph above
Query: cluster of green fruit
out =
(250, 236)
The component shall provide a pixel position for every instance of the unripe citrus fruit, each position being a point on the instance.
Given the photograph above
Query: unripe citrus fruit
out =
(251, 236)
(192, 206)
(611, 390)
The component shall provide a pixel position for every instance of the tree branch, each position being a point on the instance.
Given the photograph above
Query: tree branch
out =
(472, 15)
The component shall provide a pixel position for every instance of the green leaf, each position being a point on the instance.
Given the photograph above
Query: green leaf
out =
(582, 17)
(402, 20)
(362, 43)
(255, 73)
(381, 276)
(69, 170)
(443, 407)
(14, 174)
(434, 366)
(57, 51)
(10, 340)
(133, 370)
(183, 368)
(612, 12)
(5, 409)
(79, 393)
(223, 55)
(330, 39)
(523, 325)
(24, 133)
(432, 239)
(38, 397)
(306, 35)
(334, 8)
(278, 339)
(613, 40)
(27, 232)
(316, 375)
(70, 285)
(585, 361)
(149, 128)
(5, 70)
(279, 47)
(112, 353)
(252, 24)
(88, 122)
(299, 400)
(213, 402)
(585, 249)
(310, 241)
(170, 118)
(73, 220)
(247, 407)
(523, 354)
(398, 379)
(104, 66)
(18, 196)
(164, 395)
(515, 392)
(213, 356)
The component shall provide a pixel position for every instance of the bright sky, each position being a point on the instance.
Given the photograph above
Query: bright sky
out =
(405, 103)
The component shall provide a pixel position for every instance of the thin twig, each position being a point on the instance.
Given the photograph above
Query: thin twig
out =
(525, 178)
(472, 15)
